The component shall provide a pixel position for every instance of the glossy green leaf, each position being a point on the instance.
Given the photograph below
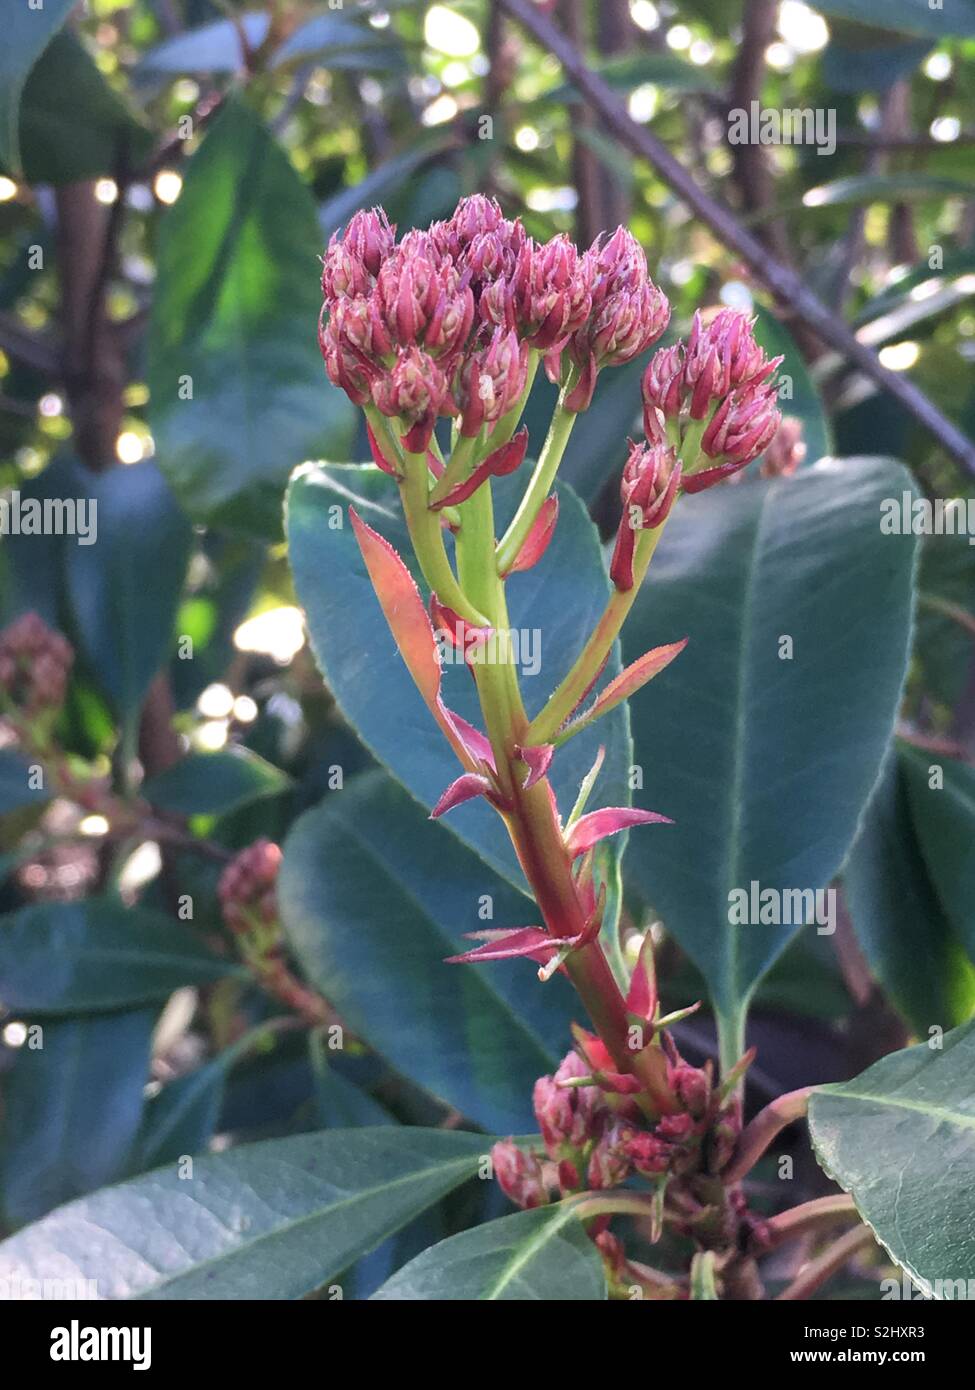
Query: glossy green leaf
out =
(896, 915)
(766, 763)
(533, 1256)
(211, 784)
(274, 1220)
(945, 645)
(72, 1107)
(938, 21)
(239, 392)
(95, 954)
(553, 607)
(944, 819)
(56, 146)
(26, 33)
(125, 589)
(17, 773)
(901, 1139)
(373, 898)
(212, 47)
(871, 66)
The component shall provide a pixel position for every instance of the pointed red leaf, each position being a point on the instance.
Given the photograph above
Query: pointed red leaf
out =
(378, 457)
(496, 465)
(641, 997)
(532, 942)
(537, 761)
(589, 830)
(412, 631)
(461, 633)
(537, 541)
(627, 683)
(465, 788)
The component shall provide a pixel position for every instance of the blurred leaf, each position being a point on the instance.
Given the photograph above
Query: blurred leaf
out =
(34, 578)
(125, 590)
(543, 1255)
(874, 67)
(15, 780)
(333, 41)
(894, 911)
(234, 315)
(275, 1220)
(901, 1139)
(26, 33)
(211, 784)
(633, 70)
(212, 47)
(945, 642)
(383, 182)
(72, 1110)
(95, 954)
(765, 763)
(553, 607)
(56, 146)
(944, 818)
(373, 897)
(938, 21)
(869, 188)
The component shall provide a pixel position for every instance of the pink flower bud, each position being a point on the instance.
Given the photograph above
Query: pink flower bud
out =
(648, 1154)
(414, 391)
(35, 664)
(720, 356)
(627, 323)
(609, 1161)
(692, 1087)
(567, 1115)
(353, 258)
(741, 428)
(619, 266)
(359, 327)
(786, 451)
(345, 366)
(248, 885)
(556, 297)
(662, 387)
(491, 380)
(648, 488)
(421, 298)
(471, 218)
(519, 1175)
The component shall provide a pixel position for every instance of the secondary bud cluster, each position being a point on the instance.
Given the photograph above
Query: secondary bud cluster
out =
(35, 664)
(248, 887)
(441, 323)
(721, 381)
(651, 477)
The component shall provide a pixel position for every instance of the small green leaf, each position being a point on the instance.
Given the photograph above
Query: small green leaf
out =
(900, 1139)
(533, 1256)
(211, 784)
(274, 1220)
(95, 954)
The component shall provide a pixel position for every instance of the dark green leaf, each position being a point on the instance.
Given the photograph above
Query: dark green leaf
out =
(944, 819)
(766, 763)
(82, 957)
(895, 911)
(532, 1256)
(938, 21)
(211, 784)
(125, 590)
(26, 33)
(234, 314)
(901, 1139)
(56, 146)
(72, 1110)
(373, 897)
(274, 1220)
(212, 47)
(798, 395)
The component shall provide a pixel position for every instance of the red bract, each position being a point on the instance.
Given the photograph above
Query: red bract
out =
(353, 259)
(556, 297)
(648, 489)
(414, 391)
(741, 428)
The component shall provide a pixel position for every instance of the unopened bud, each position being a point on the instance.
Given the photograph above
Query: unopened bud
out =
(248, 887)
(519, 1175)
(35, 664)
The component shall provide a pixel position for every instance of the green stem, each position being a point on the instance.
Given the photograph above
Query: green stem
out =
(426, 533)
(591, 660)
(541, 481)
(731, 1040)
(463, 457)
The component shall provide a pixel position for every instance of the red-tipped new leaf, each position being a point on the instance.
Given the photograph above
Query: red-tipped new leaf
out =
(626, 684)
(537, 541)
(589, 830)
(466, 788)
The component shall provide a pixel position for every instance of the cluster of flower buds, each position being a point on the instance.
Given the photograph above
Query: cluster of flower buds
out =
(651, 477)
(248, 887)
(717, 391)
(248, 901)
(441, 324)
(35, 664)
